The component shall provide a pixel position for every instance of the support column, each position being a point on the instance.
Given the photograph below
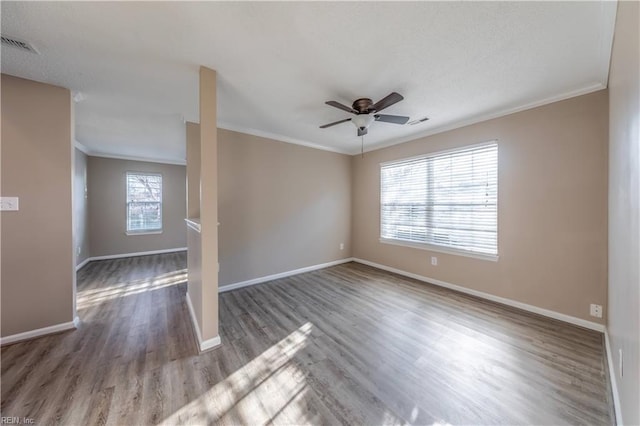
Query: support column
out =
(202, 208)
(209, 205)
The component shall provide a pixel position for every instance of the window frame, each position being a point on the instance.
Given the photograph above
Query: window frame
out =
(433, 247)
(147, 231)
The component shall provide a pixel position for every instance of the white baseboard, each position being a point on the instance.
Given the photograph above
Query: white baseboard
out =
(40, 332)
(203, 345)
(210, 343)
(123, 255)
(612, 378)
(509, 302)
(260, 280)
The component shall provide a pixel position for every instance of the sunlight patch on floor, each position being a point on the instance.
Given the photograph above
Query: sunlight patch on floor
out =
(92, 297)
(270, 387)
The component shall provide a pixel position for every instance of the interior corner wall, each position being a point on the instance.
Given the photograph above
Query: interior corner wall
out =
(624, 209)
(80, 207)
(552, 214)
(281, 206)
(106, 182)
(37, 262)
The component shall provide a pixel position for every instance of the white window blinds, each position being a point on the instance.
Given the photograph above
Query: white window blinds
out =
(448, 199)
(144, 202)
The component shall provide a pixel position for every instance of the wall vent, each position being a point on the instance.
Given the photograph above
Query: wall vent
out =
(18, 44)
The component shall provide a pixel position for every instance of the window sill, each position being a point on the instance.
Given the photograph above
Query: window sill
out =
(440, 249)
(143, 232)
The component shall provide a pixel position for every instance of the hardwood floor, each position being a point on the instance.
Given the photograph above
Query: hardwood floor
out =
(345, 345)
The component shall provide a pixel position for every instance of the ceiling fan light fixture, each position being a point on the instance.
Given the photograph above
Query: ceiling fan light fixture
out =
(366, 112)
(362, 121)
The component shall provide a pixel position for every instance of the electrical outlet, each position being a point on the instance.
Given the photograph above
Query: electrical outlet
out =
(596, 310)
(620, 363)
(8, 204)
(341, 246)
(434, 260)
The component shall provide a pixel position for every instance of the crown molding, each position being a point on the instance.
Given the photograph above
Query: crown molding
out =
(486, 117)
(397, 141)
(81, 147)
(280, 138)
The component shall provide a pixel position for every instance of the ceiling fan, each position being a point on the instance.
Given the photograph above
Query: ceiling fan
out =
(366, 112)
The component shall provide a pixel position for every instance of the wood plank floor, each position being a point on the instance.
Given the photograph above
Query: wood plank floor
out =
(345, 345)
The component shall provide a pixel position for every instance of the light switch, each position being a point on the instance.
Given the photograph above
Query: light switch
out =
(8, 204)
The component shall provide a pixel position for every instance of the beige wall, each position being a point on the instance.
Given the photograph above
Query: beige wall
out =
(80, 207)
(107, 207)
(37, 243)
(281, 206)
(552, 216)
(624, 208)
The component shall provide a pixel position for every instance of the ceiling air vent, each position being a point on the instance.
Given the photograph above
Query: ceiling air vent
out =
(421, 120)
(18, 44)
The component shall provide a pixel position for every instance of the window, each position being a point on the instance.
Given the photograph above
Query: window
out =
(448, 200)
(144, 202)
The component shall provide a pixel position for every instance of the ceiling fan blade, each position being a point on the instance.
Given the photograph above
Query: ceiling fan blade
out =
(362, 132)
(386, 102)
(334, 123)
(342, 107)
(395, 119)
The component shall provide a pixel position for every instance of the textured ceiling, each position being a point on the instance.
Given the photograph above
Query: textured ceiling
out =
(136, 64)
